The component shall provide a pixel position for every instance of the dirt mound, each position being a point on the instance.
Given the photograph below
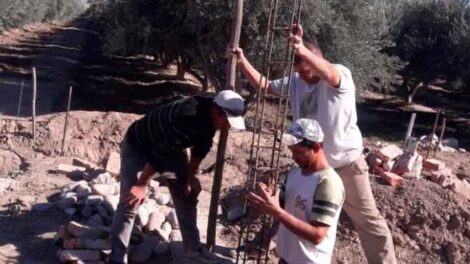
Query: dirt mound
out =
(90, 135)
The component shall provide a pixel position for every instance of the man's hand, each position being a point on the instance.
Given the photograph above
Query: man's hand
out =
(295, 36)
(135, 197)
(265, 202)
(238, 52)
(193, 186)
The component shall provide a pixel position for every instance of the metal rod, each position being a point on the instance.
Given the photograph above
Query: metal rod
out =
(443, 128)
(220, 160)
(66, 120)
(20, 99)
(431, 136)
(33, 103)
(411, 124)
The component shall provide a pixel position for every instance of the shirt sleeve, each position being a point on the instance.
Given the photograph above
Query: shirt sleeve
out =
(346, 81)
(280, 84)
(328, 198)
(202, 147)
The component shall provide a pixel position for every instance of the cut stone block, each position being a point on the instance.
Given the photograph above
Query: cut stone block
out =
(433, 165)
(70, 169)
(81, 188)
(143, 251)
(103, 189)
(392, 178)
(67, 202)
(83, 231)
(63, 233)
(160, 248)
(114, 163)
(104, 178)
(94, 200)
(87, 211)
(142, 216)
(162, 198)
(111, 203)
(172, 218)
(83, 163)
(156, 220)
(85, 243)
(95, 221)
(405, 163)
(78, 255)
(151, 206)
(389, 152)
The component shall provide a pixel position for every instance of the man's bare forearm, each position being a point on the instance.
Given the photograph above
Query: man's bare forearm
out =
(312, 233)
(323, 68)
(253, 75)
(145, 176)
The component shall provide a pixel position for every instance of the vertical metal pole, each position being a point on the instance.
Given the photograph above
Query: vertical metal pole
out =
(410, 129)
(20, 100)
(66, 120)
(431, 136)
(443, 128)
(34, 102)
(220, 160)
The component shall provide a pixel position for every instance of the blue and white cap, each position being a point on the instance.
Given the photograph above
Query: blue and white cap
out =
(302, 129)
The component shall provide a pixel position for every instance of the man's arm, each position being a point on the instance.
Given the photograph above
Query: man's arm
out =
(138, 193)
(192, 183)
(314, 232)
(253, 75)
(323, 68)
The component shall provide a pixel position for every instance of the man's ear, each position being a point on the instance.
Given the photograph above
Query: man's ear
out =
(316, 147)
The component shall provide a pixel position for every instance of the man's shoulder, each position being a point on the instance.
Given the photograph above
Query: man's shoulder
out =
(330, 178)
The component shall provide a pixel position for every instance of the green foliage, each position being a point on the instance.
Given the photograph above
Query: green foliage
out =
(433, 37)
(17, 13)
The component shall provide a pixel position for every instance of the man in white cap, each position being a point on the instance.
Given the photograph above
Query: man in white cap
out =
(312, 198)
(157, 143)
(326, 92)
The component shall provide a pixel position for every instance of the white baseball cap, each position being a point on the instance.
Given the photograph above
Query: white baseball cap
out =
(302, 129)
(234, 107)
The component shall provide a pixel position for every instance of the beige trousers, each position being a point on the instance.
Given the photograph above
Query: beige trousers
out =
(360, 206)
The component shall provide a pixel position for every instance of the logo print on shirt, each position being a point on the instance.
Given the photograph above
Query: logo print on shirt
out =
(300, 203)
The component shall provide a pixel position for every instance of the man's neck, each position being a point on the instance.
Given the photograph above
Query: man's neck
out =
(319, 165)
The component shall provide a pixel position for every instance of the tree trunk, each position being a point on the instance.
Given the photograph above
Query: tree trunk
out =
(180, 70)
(412, 92)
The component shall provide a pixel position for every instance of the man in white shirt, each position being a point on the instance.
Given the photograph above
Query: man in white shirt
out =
(312, 198)
(326, 92)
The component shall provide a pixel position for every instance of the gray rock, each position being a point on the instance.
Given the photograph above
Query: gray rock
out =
(40, 207)
(94, 200)
(143, 251)
(173, 219)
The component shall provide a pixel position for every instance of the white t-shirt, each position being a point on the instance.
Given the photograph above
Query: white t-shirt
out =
(317, 197)
(333, 108)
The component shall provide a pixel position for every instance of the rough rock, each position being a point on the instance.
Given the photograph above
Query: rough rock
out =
(389, 152)
(143, 251)
(85, 243)
(83, 163)
(156, 220)
(103, 189)
(114, 163)
(83, 231)
(172, 218)
(9, 162)
(162, 198)
(433, 165)
(78, 255)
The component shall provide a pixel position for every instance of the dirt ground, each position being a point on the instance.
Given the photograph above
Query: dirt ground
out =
(429, 224)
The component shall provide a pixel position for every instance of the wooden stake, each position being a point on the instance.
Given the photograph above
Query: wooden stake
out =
(431, 136)
(443, 128)
(219, 164)
(33, 107)
(66, 120)
(20, 100)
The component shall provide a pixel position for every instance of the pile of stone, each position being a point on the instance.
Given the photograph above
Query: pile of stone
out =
(391, 163)
(91, 203)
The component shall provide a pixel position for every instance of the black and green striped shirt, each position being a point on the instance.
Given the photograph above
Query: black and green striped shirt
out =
(174, 125)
